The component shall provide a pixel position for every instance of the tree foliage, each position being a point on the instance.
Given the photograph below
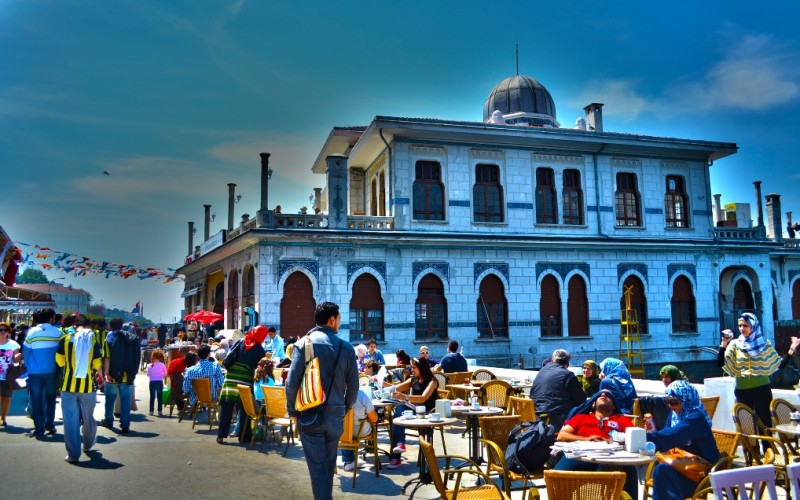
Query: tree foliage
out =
(31, 276)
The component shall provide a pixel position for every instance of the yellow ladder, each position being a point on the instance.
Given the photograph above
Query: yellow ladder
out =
(630, 342)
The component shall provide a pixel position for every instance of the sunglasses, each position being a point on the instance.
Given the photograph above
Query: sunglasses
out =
(5, 330)
(673, 401)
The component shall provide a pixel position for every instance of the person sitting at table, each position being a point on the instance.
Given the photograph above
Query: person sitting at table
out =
(423, 393)
(556, 389)
(596, 420)
(377, 373)
(264, 376)
(453, 361)
(590, 378)
(361, 351)
(688, 428)
(424, 352)
(671, 373)
(616, 378)
(373, 352)
(363, 409)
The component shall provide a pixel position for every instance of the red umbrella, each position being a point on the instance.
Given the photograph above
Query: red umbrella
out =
(204, 317)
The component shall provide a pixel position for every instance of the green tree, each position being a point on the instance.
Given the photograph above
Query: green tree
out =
(31, 276)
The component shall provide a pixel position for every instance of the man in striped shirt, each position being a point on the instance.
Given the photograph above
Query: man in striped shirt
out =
(80, 355)
(39, 353)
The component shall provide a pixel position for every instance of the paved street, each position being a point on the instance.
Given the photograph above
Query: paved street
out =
(161, 457)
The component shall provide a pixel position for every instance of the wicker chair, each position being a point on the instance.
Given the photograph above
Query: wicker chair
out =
(458, 378)
(495, 432)
(781, 414)
(370, 441)
(767, 450)
(523, 407)
(748, 424)
(488, 490)
(483, 374)
(255, 418)
(202, 389)
(441, 380)
(443, 393)
(710, 404)
(498, 391)
(363, 380)
(275, 402)
(573, 485)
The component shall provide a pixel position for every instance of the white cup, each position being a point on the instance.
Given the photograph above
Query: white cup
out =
(476, 406)
(408, 414)
(436, 416)
(421, 410)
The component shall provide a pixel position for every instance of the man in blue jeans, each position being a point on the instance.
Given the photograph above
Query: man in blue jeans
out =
(39, 355)
(121, 357)
(321, 427)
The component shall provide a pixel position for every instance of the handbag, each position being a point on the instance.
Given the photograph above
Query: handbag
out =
(14, 372)
(166, 395)
(691, 466)
(311, 393)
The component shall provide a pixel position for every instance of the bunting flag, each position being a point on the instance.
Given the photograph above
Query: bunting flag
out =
(47, 258)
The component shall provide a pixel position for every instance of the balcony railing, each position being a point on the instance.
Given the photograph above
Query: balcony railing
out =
(735, 233)
(369, 223)
(243, 228)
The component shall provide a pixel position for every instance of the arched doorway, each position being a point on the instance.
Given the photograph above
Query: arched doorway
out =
(297, 306)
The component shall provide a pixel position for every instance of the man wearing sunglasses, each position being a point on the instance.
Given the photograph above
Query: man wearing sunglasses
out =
(597, 424)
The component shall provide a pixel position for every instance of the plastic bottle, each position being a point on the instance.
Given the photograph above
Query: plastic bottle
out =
(649, 423)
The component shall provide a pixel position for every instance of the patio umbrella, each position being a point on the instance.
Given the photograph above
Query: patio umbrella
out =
(204, 317)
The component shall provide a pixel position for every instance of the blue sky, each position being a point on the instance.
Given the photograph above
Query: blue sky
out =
(176, 99)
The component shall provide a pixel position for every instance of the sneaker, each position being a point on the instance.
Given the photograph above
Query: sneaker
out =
(160, 413)
(151, 413)
(106, 424)
(394, 463)
(400, 448)
(349, 466)
(70, 460)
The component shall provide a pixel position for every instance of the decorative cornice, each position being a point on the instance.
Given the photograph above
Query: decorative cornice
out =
(427, 151)
(674, 268)
(486, 154)
(419, 267)
(625, 163)
(312, 266)
(679, 165)
(562, 268)
(568, 159)
(379, 267)
(624, 267)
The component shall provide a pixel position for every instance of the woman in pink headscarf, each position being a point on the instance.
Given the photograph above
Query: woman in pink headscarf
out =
(241, 363)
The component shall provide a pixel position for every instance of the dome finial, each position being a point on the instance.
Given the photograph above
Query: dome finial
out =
(517, 57)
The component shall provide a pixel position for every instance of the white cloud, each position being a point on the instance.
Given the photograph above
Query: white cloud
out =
(619, 98)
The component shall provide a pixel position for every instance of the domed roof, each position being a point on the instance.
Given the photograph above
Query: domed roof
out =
(520, 94)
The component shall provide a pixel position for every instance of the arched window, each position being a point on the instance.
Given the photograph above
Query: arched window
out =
(577, 307)
(572, 197)
(545, 197)
(629, 211)
(297, 306)
(684, 315)
(430, 314)
(492, 308)
(638, 301)
(550, 308)
(373, 198)
(676, 208)
(428, 191)
(366, 310)
(796, 300)
(487, 194)
(233, 299)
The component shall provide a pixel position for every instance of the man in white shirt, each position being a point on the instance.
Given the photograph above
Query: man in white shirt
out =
(274, 344)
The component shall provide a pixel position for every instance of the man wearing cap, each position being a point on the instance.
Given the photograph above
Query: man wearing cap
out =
(556, 390)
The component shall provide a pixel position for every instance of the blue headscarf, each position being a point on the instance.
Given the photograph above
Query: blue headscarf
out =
(618, 381)
(755, 343)
(690, 400)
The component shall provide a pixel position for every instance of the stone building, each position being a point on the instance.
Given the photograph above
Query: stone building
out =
(513, 235)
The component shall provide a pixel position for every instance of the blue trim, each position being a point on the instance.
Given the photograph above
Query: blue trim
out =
(522, 206)
(654, 211)
(458, 203)
(402, 201)
(602, 208)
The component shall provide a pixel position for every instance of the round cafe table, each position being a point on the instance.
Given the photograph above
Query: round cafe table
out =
(474, 427)
(425, 427)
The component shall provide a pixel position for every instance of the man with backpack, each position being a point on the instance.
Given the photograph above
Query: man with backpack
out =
(121, 357)
(556, 390)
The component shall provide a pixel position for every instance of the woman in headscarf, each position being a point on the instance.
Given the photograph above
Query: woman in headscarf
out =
(671, 373)
(241, 363)
(688, 428)
(751, 359)
(590, 379)
(617, 379)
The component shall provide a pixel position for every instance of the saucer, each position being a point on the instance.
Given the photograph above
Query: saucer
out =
(436, 419)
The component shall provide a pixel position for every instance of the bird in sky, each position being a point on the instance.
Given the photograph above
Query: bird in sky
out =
(105, 172)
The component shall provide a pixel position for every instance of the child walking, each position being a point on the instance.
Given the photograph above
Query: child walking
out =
(156, 373)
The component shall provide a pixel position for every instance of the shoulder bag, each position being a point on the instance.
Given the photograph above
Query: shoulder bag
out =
(311, 393)
(14, 372)
(691, 466)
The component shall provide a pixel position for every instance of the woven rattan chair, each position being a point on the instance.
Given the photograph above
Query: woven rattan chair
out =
(495, 432)
(523, 407)
(441, 379)
(781, 414)
(710, 404)
(487, 490)
(458, 378)
(483, 374)
(748, 424)
(574, 485)
(202, 389)
(767, 450)
(363, 379)
(275, 402)
(498, 391)
(370, 441)
(443, 393)
(255, 418)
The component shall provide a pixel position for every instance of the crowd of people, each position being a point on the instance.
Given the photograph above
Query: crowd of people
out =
(76, 357)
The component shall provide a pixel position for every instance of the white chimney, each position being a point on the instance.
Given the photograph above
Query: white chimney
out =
(594, 117)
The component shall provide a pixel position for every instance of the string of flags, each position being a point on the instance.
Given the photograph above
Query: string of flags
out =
(48, 258)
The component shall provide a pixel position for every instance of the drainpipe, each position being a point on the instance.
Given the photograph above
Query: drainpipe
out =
(597, 188)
